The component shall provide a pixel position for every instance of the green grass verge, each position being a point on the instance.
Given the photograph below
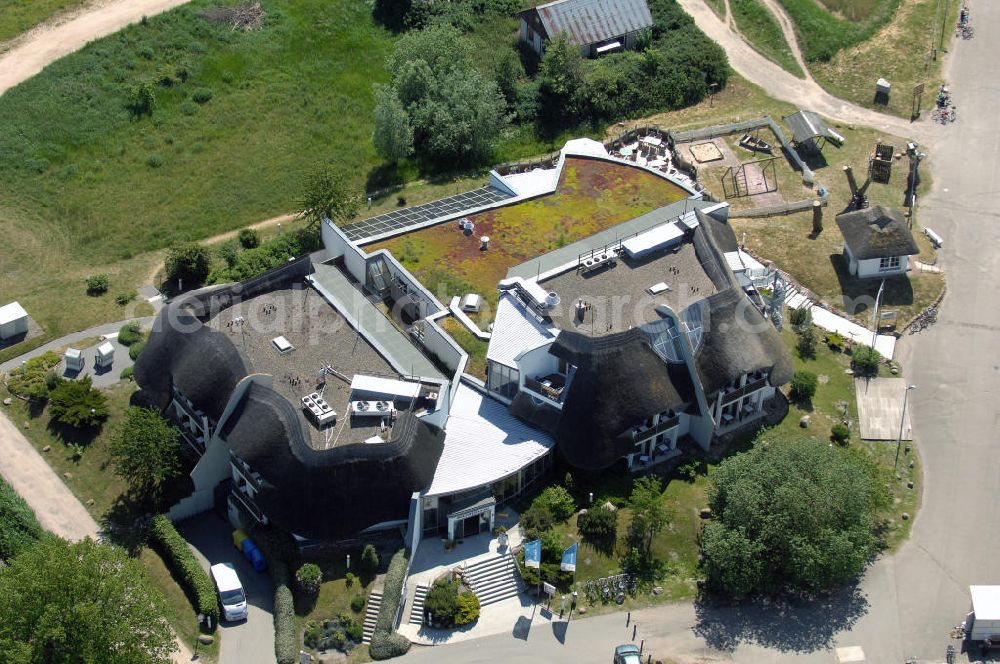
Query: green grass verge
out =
(18, 16)
(475, 347)
(761, 29)
(821, 34)
(854, 10)
(892, 54)
(717, 6)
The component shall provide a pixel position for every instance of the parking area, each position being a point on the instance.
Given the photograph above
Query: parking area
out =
(252, 640)
(880, 408)
(419, 214)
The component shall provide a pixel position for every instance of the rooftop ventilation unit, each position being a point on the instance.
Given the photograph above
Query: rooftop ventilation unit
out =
(282, 344)
(552, 300)
(320, 410)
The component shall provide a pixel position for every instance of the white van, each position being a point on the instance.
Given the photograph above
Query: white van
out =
(234, 600)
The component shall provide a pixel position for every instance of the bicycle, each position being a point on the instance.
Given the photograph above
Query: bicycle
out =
(944, 115)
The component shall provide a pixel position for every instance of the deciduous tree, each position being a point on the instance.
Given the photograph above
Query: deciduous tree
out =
(189, 262)
(328, 194)
(650, 513)
(63, 603)
(146, 451)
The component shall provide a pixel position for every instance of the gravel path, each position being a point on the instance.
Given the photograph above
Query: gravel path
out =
(782, 85)
(50, 42)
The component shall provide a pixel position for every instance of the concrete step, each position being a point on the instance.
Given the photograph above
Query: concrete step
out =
(493, 579)
(417, 608)
(371, 616)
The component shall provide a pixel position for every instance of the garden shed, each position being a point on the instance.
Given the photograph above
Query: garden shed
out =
(13, 321)
(809, 132)
(877, 242)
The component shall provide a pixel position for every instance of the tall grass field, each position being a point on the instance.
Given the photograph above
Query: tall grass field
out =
(821, 33)
(17, 16)
(759, 26)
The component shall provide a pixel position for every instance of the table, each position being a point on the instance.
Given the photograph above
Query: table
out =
(652, 140)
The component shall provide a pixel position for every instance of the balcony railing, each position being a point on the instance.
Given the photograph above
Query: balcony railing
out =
(547, 390)
(643, 432)
(749, 388)
(248, 504)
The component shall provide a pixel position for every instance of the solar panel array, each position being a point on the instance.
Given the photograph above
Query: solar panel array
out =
(419, 214)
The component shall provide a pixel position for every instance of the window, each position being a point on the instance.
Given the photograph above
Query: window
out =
(888, 264)
(503, 379)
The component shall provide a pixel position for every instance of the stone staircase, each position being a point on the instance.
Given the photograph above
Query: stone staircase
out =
(371, 615)
(494, 579)
(797, 300)
(417, 608)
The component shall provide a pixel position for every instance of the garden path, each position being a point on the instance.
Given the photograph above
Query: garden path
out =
(52, 41)
(788, 30)
(785, 86)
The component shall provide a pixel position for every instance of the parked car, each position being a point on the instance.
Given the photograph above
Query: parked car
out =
(231, 595)
(628, 654)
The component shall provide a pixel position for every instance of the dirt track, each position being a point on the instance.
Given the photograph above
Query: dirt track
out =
(52, 41)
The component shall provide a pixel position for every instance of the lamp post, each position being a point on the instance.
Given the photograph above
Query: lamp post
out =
(902, 418)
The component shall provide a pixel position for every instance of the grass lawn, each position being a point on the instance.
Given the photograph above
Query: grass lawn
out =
(893, 53)
(93, 481)
(821, 33)
(760, 28)
(591, 196)
(854, 10)
(717, 6)
(17, 16)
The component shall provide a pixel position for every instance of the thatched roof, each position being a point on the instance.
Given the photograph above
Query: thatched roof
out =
(877, 232)
(620, 381)
(738, 340)
(203, 363)
(325, 494)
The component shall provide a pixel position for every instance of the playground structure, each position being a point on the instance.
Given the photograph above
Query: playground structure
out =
(880, 163)
(750, 178)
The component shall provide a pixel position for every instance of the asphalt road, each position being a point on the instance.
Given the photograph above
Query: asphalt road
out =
(908, 603)
(252, 640)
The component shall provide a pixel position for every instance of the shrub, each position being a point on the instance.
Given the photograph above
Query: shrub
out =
(135, 349)
(130, 333)
(98, 284)
(202, 95)
(124, 298)
(369, 559)
(840, 434)
(19, 528)
(557, 500)
(31, 379)
(803, 386)
(598, 525)
(536, 520)
(249, 238)
(349, 579)
(354, 631)
(441, 603)
(141, 99)
(286, 641)
(835, 341)
(806, 344)
(309, 577)
(188, 262)
(865, 361)
(468, 609)
(154, 161)
(357, 603)
(185, 568)
(385, 642)
(78, 404)
(799, 317)
(128, 373)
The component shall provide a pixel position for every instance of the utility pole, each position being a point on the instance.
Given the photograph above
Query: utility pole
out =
(944, 20)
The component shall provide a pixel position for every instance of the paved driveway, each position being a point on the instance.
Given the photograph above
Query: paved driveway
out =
(251, 641)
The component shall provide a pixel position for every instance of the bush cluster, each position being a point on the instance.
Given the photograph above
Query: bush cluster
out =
(598, 525)
(77, 403)
(186, 569)
(98, 284)
(135, 349)
(341, 633)
(865, 361)
(357, 603)
(130, 333)
(125, 297)
(803, 387)
(558, 501)
(798, 317)
(840, 434)
(249, 238)
(386, 643)
(252, 262)
(806, 344)
(31, 380)
(369, 559)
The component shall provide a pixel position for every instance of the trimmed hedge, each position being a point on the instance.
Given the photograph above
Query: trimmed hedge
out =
(386, 643)
(19, 528)
(186, 569)
(286, 638)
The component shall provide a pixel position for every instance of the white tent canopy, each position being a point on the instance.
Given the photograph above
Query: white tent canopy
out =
(387, 387)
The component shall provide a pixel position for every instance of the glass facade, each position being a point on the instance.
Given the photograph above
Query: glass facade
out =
(502, 379)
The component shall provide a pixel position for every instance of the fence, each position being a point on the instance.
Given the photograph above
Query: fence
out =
(775, 210)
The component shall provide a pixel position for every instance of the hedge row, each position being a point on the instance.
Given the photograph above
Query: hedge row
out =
(386, 643)
(19, 528)
(286, 638)
(186, 569)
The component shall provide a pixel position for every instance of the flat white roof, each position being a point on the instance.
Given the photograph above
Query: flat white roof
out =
(741, 260)
(386, 386)
(986, 602)
(12, 312)
(515, 330)
(661, 236)
(483, 443)
(281, 343)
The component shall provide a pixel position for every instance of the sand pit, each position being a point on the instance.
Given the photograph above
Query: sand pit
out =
(703, 152)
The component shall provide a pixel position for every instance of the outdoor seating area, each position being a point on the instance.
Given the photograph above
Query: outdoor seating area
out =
(653, 152)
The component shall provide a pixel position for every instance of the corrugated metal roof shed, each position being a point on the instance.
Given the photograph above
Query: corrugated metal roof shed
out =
(806, 125)
(591, 21)
(483, 443)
